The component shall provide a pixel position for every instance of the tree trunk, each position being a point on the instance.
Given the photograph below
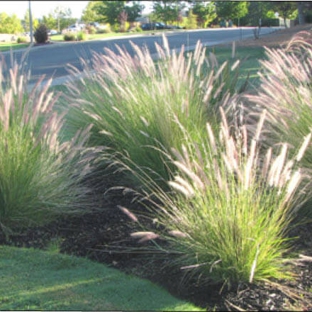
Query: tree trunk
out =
(301, 17)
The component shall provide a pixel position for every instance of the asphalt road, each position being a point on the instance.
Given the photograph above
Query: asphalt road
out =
(52, 60)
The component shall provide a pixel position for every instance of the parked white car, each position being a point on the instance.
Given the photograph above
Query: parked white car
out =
(74, 28)
(52, 32)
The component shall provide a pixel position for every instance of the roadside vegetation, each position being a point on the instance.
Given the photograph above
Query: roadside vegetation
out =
(187, 135)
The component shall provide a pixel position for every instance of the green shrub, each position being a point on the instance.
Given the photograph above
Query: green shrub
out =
(191, 21)
(90, 29)
(124, 27)
(22, 40)
(137, 29)
(105, 30)
(70, 36)
(40, 175)
(41, 34)
(115, 27)
(230, 207)
(134, 103)
(81, 35)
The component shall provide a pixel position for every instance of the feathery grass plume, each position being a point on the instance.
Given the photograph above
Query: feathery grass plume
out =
(144, 236)
(128, 213)
(40, 173)
(224, 215)
(301, 43)
(285, 92)
(133, 101)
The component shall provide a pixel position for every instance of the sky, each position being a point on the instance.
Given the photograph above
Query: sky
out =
(40, 8)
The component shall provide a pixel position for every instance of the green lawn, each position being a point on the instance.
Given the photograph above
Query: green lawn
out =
(249, 57)
(6, 46)
(36, 280)
(96, 36)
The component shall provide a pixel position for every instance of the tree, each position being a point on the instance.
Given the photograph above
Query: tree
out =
(152, 17)
(122, 19)
(90, 13)
(109, 11)
(231, 9)
(60, 13)
(178, 7)
(66, 21)
(10, 24)
(205, 12)
(134, 11)
(304, 11)
(285, 9)
(49, 21)
(191, 22)
(166, 10)
(258, 11)
(300, 8)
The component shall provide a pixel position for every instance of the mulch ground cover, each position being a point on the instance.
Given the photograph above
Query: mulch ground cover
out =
(104, 236)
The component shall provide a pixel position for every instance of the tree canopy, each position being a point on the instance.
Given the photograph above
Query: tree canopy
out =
(10, 24)
(205, 12)
(231, 9)
(134, 11)
(60, 13)
(109, 11)
(49, 21)
(168, 11)
(285, 9)
(90, 13)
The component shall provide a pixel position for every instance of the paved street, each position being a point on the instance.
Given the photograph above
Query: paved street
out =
(52, 60)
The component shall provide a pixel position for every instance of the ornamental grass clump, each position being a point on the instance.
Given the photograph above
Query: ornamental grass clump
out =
(285, 92)
(133, 101)
(70, 36)
(40, 173)
(230, 207)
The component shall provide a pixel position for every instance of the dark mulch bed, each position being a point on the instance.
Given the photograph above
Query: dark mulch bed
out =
(42, 44)
(103, 236)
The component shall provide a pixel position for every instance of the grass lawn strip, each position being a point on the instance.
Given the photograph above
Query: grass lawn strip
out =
(33, 279)
(249, 60)
(14, 46)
